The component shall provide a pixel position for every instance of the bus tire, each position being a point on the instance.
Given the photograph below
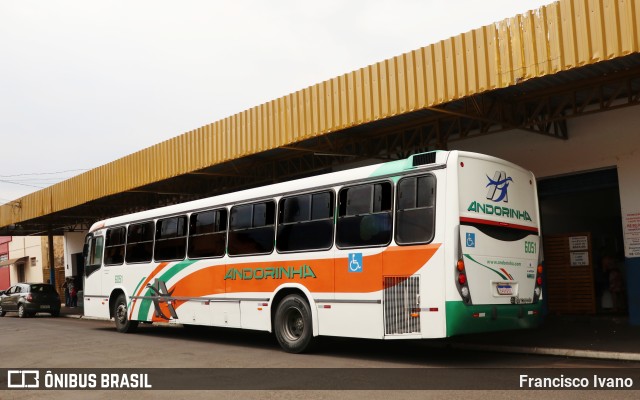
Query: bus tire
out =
(121, 316)
(293, 324)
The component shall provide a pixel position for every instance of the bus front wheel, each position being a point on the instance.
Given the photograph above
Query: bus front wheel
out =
(293, 326)
(120, 314)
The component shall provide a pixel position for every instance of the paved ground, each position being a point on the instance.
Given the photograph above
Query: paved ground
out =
(608, 337)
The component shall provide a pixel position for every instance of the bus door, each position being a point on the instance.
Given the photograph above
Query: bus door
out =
(94, 299)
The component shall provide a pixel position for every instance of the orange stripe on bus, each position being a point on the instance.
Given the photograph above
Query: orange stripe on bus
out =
(331, 275)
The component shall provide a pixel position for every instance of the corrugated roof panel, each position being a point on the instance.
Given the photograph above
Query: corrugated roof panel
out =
(429, 72)
(419, 76)
(631, 24)
(343, 103)
(540, 51)
(392, 83)
(568, 29)
(553, 38)
(304, 120)
(438, 76)
(411, 85)
(449, 65)
(382, 90)
(611, 36)
(311, 110)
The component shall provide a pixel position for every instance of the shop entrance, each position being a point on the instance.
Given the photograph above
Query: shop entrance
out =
(574, 207)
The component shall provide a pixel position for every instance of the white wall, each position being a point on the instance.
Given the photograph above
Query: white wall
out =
(27, 246)
(609, 139)
(73, 243)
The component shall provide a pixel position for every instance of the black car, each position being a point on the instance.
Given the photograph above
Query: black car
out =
(27, 299)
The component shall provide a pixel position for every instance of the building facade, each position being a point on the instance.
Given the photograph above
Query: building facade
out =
(26, 259)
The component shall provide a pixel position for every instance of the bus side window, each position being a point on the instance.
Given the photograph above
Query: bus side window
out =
(171, 239)
(139, 242)
(114, 246)
(305, 222)
(415, 210)
(252, 228)
(207, 234)
(364, 215)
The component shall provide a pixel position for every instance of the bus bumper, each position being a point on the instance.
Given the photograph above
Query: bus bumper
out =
(463, 319)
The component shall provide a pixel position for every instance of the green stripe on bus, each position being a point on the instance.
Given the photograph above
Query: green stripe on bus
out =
(135, 291)
(497, 317)
(145, 305)
(392, 167)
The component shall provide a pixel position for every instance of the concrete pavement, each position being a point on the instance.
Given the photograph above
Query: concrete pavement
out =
(607, 337)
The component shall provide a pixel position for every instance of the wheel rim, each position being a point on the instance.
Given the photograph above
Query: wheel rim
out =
(121, 313)
(293, 324)
(20, 311)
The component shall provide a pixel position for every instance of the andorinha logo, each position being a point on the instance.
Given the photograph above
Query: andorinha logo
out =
(498, 187)
(490, 209)
(302, 272)
(497, 192)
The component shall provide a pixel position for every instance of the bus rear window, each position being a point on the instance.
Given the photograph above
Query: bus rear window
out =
(415, 211)
(502, 233)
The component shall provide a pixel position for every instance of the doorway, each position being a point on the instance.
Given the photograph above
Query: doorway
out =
(588, 203)
(20, 272)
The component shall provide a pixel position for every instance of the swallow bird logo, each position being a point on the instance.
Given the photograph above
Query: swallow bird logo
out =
(498, 187)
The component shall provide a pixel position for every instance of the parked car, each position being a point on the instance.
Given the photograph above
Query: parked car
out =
(27, 299)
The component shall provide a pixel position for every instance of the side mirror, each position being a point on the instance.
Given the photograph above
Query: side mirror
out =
(85, 250)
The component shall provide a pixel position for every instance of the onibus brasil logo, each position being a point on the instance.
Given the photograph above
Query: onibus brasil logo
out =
(498, 193)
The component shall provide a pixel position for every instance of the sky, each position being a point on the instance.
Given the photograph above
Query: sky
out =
(85, 82)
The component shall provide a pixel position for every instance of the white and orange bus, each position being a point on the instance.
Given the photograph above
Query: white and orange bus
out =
(435, 245)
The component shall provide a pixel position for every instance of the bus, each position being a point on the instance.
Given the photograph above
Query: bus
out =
(438, 244)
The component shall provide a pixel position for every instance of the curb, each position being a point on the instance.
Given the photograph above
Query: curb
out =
(576, 353)
(78, 316)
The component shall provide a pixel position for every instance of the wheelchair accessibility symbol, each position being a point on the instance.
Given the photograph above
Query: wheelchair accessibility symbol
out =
(471, 240)
(355, 262)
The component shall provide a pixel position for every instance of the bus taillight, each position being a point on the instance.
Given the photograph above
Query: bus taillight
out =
(462, 283)
(537, 291)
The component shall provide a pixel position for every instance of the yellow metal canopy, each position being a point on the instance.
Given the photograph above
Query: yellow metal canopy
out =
(554, 38)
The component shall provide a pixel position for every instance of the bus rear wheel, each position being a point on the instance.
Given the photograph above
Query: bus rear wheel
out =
(121, 316)
(293, 326)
